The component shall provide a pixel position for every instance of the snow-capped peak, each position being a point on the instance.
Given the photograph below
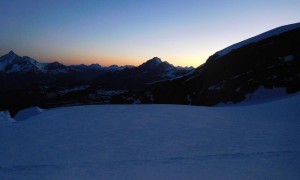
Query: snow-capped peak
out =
(152, 62)
(12, 63)
(156, 59)
(259, 37)
(8, 57)
(12, 53)
(95, 66)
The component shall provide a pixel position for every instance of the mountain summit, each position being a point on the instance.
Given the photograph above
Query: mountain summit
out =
(151, 63)
(155, 60)
(12, 63)
(8, 57)
(11, 53)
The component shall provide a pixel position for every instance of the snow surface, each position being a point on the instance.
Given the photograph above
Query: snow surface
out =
(78, 88)
(28, 112)
(216, 87)
(265, 95)
(155, 142)
(261, 95)
(259, 37)
(4, 60)
(288, 58)
(106, 92)
(5, 118)
(3, 64)
(15, 68)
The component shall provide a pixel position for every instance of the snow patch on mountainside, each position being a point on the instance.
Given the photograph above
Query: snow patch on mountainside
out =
(78, 88)
(264, 94)
(288, 58)
(261, 95)
(2, 65)
(259, 37)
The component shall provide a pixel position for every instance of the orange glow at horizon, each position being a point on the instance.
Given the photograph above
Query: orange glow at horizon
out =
(122, 61)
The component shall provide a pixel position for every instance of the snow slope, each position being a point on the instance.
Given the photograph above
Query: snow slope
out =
(5, 118)
(259, 37)
(155, 142)
(28, 112)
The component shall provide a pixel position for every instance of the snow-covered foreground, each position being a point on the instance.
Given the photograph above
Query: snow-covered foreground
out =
(155, 142)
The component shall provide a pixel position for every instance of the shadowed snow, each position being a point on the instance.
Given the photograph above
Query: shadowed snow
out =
(155, 142)
(27, 113)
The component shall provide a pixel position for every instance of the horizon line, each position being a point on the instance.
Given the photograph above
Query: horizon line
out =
(77, 64)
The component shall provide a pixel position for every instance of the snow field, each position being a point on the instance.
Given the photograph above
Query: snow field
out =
(155, 142)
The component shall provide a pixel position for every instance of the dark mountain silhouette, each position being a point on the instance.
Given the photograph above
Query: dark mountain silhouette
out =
(269, 62)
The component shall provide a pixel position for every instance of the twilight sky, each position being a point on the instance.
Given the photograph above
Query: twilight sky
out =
(182, 32)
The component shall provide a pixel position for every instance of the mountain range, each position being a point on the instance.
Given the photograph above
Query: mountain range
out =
(262, 67)
(13, 63)
(26, 82)
(21, 73)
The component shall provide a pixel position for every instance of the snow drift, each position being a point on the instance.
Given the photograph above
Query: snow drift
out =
(27, 113)
(5, 117)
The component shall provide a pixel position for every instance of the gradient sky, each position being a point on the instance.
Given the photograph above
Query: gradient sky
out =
(182, 32)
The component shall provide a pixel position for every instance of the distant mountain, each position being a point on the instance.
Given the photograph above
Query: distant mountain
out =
(163, 68)
(265, 66)
(18, 72)
(137, 78)
(12, 63)
(26, 82)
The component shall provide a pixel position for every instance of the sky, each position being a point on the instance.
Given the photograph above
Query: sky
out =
(129, 32)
